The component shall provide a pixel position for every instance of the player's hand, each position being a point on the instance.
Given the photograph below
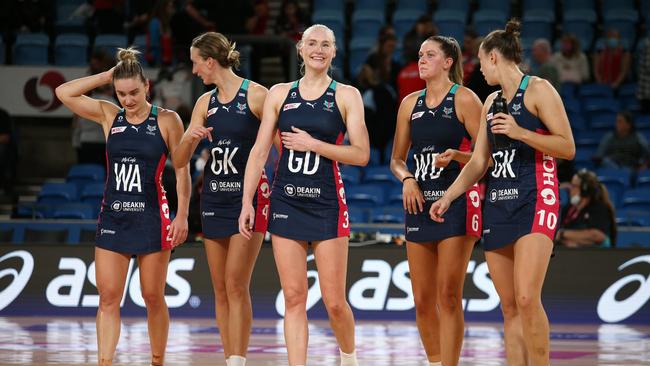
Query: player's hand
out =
(438, 209)
(442, 160)
(505, 124)
(200, 132)
(246, 220)
(412, 197)
(298, 140)
(178, 230)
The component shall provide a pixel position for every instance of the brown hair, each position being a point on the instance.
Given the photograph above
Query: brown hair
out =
(451, 48)
(128, 65)
(217, 46)
(591, 187)
(506, 41)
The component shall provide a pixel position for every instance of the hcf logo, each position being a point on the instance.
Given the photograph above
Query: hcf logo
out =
(20, 277)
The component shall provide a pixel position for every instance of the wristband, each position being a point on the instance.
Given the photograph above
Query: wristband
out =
(409, 177)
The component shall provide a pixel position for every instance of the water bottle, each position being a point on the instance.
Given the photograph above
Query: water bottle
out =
(499, 140)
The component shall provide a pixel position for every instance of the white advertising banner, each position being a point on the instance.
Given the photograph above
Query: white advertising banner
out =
(28, 91)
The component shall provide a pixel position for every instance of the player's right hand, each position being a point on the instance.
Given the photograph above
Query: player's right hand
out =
(246, 221)
(200, 132)
(413, 199)
(438, 209)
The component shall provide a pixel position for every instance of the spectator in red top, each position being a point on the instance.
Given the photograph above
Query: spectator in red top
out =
(408, 78)
(470, 52)
(257, 24)
(291, 21)
(612, 63)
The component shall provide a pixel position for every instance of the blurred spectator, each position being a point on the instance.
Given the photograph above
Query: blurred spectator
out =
(541, 65)
(108, 16)
(8, 152)
(624, 147)
(88, 136)
(470, 54)
(422, 29)
(643, 91)
(612, 63)
(291, 21)
(589, 219)
(408, 78)
(159, 34)
(258, 23)
(379, 66)
(570, 61)
(27, 16)
(137, 16)
(173, 88)
(477, 81)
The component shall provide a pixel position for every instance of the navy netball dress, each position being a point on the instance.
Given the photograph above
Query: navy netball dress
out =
(308, 198)
(234, 129)
(521, 195)
(434, 130)
(134, 218)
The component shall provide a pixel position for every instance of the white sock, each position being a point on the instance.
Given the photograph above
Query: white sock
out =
(228, 361)
(439, 363)
(349, 359)
(235, 360)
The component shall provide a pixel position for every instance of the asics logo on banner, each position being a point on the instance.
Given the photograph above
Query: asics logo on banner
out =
(118, 129)
(136, 128)
(151, 130)
(222, 160)
(612, 308)
(127, 177)
(19, 277)
(290, 106)
(425, 166)
(212, 111)
(297, 164)
(447, 112)
(503, 164)
(312, 105)
(416, 115)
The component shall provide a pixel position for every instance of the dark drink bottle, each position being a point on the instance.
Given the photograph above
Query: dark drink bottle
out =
(499, 140)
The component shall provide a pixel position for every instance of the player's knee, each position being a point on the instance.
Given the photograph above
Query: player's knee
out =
(509, 309)
(295, 297)
(110, 298)
(236, 290)
(336, 308)
(220, 292)
(425, 303)
(449, 300)
(153, 298)
(525, 302)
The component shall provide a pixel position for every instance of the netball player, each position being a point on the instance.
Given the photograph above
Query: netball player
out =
(308, 199)
(229, 117)
(522, 202)
(134, 218)
(438, 124)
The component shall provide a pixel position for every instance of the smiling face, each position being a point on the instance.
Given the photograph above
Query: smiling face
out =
(131, 93)
(201, 67)
(432, 60)
(317, 48)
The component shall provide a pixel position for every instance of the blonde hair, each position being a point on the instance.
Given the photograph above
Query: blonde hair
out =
(217, 46)
(128, 65)
(305, 34)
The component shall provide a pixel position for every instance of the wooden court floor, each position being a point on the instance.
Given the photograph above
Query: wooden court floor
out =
(71, 341)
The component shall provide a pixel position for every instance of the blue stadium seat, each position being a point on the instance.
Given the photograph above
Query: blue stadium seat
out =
(74, 211)
(616, 181)
(564, 197)
(57, 193)
(379, 174)
(631, 218)
(336, 5)
(624, 21)
(350, 174)
(71, 49)
(419, 6)
(357, 215)
(613, 5)
(577, 122)
(370, 5)
(451, 23)
(365, 195)
(387, 215)
(486, 21)
(31, 49)
(454, 5)
(581, 24)
(589, 138)
(578, 5)
(602, 119)
(572, 105)
(539, 8)
(643, 179)
(65, 20)
(366, 23)
(537, 27)
(637, 199)
(403, 21)
(568, 90)
(395, 197)
(642, 121)
(335, 21)
(595, 90)
(633, 239)
(583, 158)
(501, 6)
(359, 50)
(109, 43)
(375, 156)
(82, 174)
(645, 11)
(595, 106)
(93, 195)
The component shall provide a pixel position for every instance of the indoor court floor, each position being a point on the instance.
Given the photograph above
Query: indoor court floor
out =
(71, 341)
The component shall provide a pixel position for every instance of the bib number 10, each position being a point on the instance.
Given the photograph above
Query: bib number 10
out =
(548, 219)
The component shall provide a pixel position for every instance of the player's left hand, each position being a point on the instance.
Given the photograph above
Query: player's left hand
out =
(442, 160)
(298, 140)
(178, 231)
(506, 124)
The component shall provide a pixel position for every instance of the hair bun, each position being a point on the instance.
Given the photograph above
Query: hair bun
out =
(127, 54)
(513, 27)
